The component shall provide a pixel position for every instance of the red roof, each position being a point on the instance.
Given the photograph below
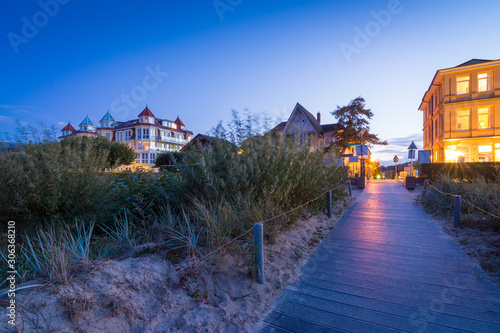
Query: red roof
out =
(146, 113)
(179, 122)
(68, 128)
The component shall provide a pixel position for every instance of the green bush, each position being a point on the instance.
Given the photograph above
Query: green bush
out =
(51, 180)
(478, 192)
(461, 171)
(261, 179)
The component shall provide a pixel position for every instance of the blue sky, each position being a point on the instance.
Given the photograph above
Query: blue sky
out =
(62, 60)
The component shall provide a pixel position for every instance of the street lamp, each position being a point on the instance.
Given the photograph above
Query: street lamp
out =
(362, 160)
(411, 155)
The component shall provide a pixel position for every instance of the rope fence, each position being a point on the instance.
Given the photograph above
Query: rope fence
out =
(458, 200)
(259, 247)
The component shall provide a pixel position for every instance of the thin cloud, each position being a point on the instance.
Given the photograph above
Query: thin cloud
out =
(5, 119)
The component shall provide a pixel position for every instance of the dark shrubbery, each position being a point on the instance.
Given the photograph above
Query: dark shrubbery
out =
(216, 195)
(479, 192)
(54, 180)
(461, 171)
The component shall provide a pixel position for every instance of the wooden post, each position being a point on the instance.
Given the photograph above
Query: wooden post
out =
(258, 230)
(329, 199)
(350, 189)
(458, 206)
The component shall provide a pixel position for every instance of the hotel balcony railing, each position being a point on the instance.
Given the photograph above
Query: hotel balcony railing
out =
(172, 140)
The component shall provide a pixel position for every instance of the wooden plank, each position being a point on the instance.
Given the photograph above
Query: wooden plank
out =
(387, 266)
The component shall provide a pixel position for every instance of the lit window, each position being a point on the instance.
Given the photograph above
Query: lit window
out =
(153, 145)
(456, 154)
(463, 120)
(146, 145)
(484, 82)
(174, 126)
(485, 153)
(463, 84)
(139, 145)
(484, 117)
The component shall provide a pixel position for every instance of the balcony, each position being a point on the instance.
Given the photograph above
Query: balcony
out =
(172, 140)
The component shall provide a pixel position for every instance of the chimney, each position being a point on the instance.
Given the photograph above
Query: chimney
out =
(319, 118)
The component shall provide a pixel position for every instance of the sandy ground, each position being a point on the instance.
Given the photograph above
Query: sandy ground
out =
(150, 294)
(483, 246)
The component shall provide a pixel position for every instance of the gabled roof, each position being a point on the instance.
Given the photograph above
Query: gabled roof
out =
(179, 122)
(86, 121)
(473, 62)
(279, 128)
(204, 139)
(146, 113)
(68, 128)
(107, 117)
(309, 116)
(312, 119)
(332, 127)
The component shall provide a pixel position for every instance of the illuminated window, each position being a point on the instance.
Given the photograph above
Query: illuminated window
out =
(463, 84)
(485, 153)
(456, 154)
(139, 145)
(484, 117)
(497, 152)
(463, 120)
(174, 126)
(146, 145)
(485, 82)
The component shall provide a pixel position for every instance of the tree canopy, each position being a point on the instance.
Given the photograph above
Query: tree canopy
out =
(354, 118)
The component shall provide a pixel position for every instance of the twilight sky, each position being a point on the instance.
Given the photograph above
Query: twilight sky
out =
(64, 59)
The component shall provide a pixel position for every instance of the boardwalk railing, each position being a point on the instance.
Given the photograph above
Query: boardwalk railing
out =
(457, 208)
(258, 250)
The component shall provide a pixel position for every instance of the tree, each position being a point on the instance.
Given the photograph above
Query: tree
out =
(167, 161)
(354, 118)
(119, 154)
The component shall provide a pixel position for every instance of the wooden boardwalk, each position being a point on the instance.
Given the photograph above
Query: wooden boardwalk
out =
(387, 267)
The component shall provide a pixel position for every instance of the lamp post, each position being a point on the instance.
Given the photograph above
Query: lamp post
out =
(411, 155)
(362, 160)
(396, 160)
